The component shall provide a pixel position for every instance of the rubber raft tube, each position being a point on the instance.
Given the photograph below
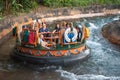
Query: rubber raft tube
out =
(51, 60)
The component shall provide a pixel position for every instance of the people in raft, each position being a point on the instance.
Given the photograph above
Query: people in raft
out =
(28, 34)
(37, 24)
(42, 42)
(79, 36)
(57, 29)
(44, 29)
(63, 25)
(68, 25)
(24, 34)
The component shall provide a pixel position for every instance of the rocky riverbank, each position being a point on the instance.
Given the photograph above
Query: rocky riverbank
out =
(111, 31)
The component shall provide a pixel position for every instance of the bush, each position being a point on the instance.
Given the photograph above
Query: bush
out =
(15, 6)
(78, 3)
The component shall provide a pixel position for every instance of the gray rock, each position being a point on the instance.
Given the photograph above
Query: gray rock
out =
(111, 31)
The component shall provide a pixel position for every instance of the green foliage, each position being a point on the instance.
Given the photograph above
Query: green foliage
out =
(15, 6)
(1, 7)
(78, 3)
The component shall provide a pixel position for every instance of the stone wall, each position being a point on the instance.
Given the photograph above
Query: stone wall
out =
(7, 24)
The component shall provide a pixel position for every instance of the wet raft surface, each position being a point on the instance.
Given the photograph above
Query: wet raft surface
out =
(103, 63)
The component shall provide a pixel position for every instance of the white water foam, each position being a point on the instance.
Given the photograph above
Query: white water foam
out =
(93, 43)
(84, 20)
(92, 25)
(79, 26)
(116, 18)
(46, 67)
(71, 76)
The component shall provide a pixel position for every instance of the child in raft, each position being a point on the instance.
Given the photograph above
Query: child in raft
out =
(42, 42)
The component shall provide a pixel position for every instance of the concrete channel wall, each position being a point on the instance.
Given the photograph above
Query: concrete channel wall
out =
(51, 15)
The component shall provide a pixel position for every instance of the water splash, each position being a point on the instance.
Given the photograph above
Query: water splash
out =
(116, 18)
(92, 25)
(93, 43)
(72, 76)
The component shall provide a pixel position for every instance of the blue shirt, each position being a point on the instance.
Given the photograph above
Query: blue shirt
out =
(43, 30)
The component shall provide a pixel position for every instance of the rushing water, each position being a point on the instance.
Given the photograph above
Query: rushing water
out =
(103, 63)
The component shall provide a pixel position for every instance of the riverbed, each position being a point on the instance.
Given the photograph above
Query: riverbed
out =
(102, 64)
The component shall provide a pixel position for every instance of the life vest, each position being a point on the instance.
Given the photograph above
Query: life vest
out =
(31, 37)
(86, 32)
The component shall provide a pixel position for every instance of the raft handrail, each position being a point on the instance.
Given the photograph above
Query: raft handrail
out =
(51, 38)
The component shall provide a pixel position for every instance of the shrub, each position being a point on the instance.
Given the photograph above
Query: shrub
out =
(78, 3)
(14, 6)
